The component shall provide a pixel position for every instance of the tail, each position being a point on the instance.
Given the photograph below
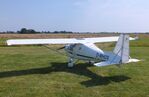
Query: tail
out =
(122, 48)
(120, 53)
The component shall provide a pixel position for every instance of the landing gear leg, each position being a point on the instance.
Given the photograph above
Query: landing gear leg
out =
(71, 62)
(91, 62)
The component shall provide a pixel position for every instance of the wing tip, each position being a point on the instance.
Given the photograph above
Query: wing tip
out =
(8, 42)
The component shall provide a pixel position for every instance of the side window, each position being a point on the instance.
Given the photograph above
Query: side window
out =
(72, 46)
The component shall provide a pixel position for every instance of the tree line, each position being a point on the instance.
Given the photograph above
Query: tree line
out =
(32, 31)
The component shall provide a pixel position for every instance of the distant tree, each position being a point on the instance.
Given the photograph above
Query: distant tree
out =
(31, 31)
(63, 32)
(10, 32)
(22, 31)
(56, 32)
(27, 31)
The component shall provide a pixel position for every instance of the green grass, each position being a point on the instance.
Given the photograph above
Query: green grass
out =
(35, 71)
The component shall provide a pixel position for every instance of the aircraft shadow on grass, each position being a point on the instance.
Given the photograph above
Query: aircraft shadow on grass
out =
(80, 69)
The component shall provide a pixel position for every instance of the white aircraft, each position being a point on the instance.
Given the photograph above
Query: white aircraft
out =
(85, 49)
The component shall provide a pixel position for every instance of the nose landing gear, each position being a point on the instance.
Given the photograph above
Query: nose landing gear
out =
(71, 62)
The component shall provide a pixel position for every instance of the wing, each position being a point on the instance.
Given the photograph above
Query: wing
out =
(61, 41)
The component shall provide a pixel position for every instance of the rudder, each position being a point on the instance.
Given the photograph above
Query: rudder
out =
(122, 48)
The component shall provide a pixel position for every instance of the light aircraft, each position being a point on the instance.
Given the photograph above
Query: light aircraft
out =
(85, 49)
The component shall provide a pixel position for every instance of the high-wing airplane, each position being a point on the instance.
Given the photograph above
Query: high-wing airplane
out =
(85, 49)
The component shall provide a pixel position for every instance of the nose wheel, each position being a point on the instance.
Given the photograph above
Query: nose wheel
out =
(71, 62)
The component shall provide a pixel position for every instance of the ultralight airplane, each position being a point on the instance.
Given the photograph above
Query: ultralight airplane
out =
(85, 49)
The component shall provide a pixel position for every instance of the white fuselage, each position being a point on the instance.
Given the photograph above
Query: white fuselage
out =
(88, 52)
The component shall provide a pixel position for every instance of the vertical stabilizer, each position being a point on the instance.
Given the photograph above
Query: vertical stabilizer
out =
(120, 53)
(122, 48)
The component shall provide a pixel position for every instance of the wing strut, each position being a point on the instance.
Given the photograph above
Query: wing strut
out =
(46, 46)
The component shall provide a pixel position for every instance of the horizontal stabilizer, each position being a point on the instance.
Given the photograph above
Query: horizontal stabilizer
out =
(133, 60)
(107, 63)
(104, 63)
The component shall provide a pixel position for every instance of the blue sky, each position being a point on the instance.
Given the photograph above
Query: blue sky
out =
(75, 15)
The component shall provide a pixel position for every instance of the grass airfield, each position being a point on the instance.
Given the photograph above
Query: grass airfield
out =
(35, 71)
